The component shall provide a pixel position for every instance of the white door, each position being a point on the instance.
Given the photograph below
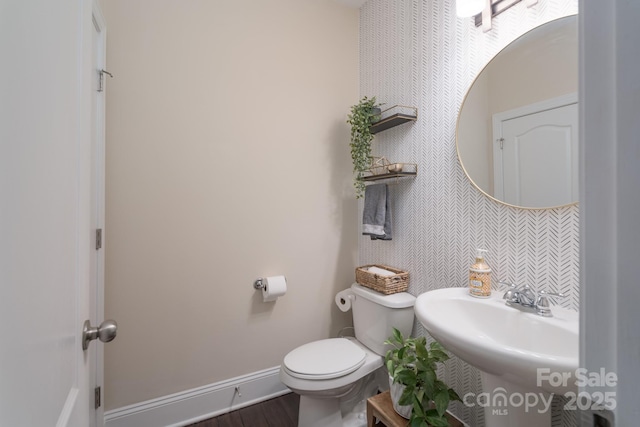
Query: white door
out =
(45, 225)
(536, 156)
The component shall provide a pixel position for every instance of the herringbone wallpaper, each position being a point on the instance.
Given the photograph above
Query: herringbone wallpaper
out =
(418, 53)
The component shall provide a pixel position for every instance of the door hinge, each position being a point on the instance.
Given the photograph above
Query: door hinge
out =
(98, 238)
(98, 397)
(501, 141)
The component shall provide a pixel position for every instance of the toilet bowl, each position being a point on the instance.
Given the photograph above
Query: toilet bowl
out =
(333, 375)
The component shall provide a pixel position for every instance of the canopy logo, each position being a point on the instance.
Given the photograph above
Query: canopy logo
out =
(500, 401)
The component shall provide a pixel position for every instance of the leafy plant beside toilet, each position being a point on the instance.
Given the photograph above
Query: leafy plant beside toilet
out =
(362, 115)
(411, 364)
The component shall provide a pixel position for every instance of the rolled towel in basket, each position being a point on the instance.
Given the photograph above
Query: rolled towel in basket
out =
(380, 271)
(376, 216)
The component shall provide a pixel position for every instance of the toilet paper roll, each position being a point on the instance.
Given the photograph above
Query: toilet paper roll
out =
(274, 288)
(343, 300)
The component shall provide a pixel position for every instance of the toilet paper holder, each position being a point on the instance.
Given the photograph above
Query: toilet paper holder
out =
(258, 284)
(271, 288)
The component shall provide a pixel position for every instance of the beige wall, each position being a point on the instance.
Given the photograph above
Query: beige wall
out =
(227, 160)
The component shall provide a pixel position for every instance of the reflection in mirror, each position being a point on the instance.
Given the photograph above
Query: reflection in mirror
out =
(517, 134)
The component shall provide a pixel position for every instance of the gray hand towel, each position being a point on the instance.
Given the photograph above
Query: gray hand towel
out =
(376, 217)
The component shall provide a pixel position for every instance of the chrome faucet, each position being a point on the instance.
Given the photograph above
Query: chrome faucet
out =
(525, 297)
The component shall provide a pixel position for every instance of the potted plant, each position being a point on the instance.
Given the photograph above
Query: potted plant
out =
(362, 115)
(413, 367)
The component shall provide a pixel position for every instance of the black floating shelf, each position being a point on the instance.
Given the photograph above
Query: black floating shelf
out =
(388, 176)
(394, 116)
(390, 122)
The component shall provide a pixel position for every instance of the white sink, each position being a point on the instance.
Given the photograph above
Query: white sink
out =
(501, 340)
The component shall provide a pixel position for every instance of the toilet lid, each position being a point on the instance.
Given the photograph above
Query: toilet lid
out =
(325, 359)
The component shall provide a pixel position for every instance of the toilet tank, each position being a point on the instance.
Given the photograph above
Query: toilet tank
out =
(375, 315)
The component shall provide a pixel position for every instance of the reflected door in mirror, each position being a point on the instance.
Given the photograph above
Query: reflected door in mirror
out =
(536, 157)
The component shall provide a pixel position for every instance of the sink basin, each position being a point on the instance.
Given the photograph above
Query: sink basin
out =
(504, 341)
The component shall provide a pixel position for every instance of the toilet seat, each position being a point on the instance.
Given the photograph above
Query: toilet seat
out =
(324, 359)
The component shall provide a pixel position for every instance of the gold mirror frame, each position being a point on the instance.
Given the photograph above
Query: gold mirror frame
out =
(507, 47)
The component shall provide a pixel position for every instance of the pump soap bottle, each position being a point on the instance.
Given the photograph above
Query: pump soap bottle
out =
(480, 276)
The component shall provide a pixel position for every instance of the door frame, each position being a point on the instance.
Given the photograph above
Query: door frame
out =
(609, 202)
(98, 139)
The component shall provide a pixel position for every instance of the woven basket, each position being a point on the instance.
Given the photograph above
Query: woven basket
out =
(399, 282)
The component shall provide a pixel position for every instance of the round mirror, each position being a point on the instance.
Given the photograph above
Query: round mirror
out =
(517, 133)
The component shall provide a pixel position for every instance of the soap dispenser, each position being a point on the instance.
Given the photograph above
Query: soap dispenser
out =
(480, 276)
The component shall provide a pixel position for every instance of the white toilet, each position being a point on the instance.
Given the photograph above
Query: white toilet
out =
(331, 375)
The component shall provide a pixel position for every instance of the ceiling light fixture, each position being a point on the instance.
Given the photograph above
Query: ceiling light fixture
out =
(468, 8)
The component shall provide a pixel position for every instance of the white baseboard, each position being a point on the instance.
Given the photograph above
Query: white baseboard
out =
(190, 406)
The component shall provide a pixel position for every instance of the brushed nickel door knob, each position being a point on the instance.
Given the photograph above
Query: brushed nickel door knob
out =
(106, 332)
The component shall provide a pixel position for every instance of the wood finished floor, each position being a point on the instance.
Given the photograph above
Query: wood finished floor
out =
(279, 412)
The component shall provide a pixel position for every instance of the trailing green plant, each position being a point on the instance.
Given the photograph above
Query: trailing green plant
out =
(362, 115)
(411, 364)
